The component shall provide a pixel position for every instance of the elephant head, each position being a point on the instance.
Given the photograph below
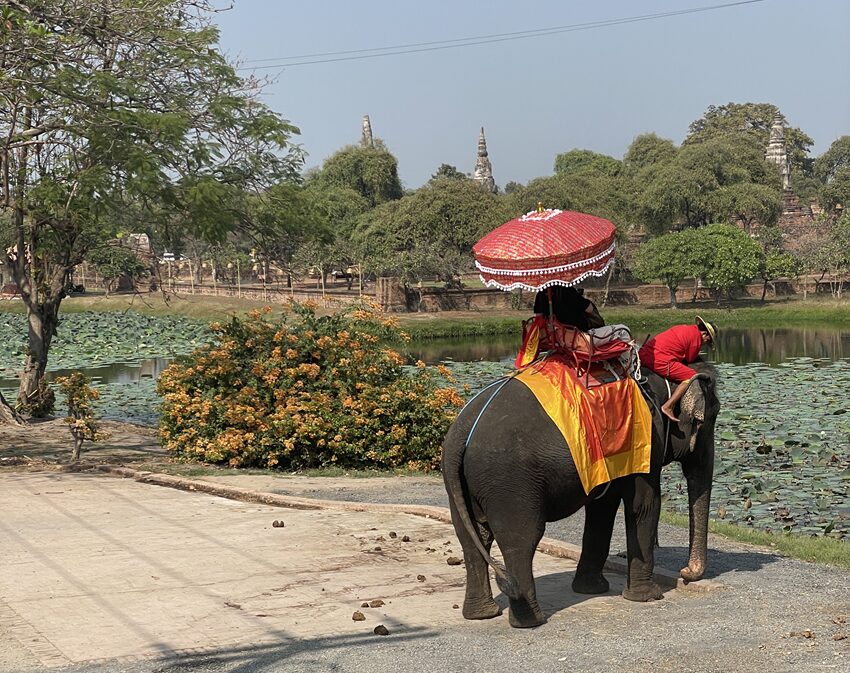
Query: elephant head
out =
(691, 443)
(693, 446)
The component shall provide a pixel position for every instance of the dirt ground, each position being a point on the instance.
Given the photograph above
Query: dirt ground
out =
(45, 444)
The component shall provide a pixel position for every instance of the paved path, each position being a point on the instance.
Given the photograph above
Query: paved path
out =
(100, 568)
(109, 575)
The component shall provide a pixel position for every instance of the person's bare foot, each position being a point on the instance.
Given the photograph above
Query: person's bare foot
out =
(667, 411)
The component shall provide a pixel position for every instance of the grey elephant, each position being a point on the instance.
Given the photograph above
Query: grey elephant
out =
(514, 473)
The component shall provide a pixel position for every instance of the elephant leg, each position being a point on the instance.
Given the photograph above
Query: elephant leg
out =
(478, 602)
(518, 545)
(599, 516)
(642, 499)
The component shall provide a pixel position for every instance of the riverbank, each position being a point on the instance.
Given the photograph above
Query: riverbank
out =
(775, 312)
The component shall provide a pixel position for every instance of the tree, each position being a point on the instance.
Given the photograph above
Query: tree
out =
(749, 203)
(698, 186)
(281, 220)
(647, 151)
(107, 105)
(586, 161)
(115, 261)
(669, 258)
(776, 264)
(450, 172)
(833, 170)
(832, 256)
(600, 195)
(754, 120)
(372, 172)
(726, 258)
(431, 231)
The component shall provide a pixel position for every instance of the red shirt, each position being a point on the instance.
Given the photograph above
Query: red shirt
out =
(668, 353)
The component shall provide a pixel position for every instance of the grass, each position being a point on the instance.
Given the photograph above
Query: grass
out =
(826, 550)
(646, 319)
(774, 313)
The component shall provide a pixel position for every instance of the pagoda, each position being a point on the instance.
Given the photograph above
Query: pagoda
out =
(483, 173)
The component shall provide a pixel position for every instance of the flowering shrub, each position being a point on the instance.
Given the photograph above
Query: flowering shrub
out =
(305, 391)
(81, 417)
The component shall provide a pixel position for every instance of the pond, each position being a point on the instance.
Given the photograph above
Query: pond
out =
(736, 346)
(783, 435)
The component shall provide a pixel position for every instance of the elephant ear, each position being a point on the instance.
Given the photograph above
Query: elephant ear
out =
(692, 409)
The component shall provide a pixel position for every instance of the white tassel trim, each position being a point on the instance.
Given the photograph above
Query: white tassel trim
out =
(550, 269)
(548, 283)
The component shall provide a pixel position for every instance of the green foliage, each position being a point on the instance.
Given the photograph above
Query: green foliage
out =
(699, 185)
(449, 172)
(431, 231)
(749, 119)
(648, 151)
(305, 391)
(116, 115)
(777, 264)
(727, 258)
(748, 202)
(372, 172)
(586, 162)
(834, 159)
(832, 169)
(114, 261)
(669, 258)
(285, 217)
(600, 195)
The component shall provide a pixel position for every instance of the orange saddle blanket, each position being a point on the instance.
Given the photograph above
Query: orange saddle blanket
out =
(607, 426)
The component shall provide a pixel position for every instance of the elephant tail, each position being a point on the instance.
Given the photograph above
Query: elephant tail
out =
(455, 485)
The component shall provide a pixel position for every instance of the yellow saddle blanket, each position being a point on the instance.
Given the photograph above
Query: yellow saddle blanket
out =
(607, 427)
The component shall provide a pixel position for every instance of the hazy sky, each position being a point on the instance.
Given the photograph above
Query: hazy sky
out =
(594, 89)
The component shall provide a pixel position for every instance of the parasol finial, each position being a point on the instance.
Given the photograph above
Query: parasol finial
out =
(540, 207)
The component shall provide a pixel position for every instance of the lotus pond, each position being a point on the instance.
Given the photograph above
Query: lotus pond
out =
(783, 436)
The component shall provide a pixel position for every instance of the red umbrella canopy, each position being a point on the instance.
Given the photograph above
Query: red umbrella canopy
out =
(544, 248)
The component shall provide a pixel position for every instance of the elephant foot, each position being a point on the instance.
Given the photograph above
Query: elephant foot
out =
(481, 609)
(643, 593)
(590, 584)
(526, 618)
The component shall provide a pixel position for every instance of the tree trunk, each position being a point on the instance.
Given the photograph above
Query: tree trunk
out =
(78, 445)
(34, 395)
(8, 415)
(673, 302)
(699, 470)
(764, 291)
(607, 285)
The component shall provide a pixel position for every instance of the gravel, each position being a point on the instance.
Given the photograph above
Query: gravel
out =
(757, 623)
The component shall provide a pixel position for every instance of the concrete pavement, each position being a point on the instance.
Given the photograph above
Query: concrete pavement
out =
(98, 568)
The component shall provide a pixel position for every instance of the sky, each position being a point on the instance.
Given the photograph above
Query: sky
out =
(536, 97)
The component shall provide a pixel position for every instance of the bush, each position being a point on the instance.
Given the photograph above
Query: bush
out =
(81, 418)
(306, 391)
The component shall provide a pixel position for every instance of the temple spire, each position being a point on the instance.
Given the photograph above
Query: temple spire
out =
(776, 152)
(483, 174)
(366, 140)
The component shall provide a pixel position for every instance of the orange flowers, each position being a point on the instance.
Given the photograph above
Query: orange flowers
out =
(334, 393)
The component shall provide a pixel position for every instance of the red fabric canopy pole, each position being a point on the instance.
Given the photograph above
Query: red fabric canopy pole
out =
(545, 248)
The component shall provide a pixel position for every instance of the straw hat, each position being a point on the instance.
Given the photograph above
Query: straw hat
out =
(708, 327)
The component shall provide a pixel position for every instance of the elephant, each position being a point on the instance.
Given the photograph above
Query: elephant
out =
(508, 471)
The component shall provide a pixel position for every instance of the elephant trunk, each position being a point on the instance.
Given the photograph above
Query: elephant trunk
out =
(699, 471)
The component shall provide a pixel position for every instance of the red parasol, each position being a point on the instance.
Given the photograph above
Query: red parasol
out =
(545, 248)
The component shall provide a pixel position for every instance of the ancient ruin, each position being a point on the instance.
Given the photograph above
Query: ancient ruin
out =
(483, 174)
(776, 152)
(366, 140)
